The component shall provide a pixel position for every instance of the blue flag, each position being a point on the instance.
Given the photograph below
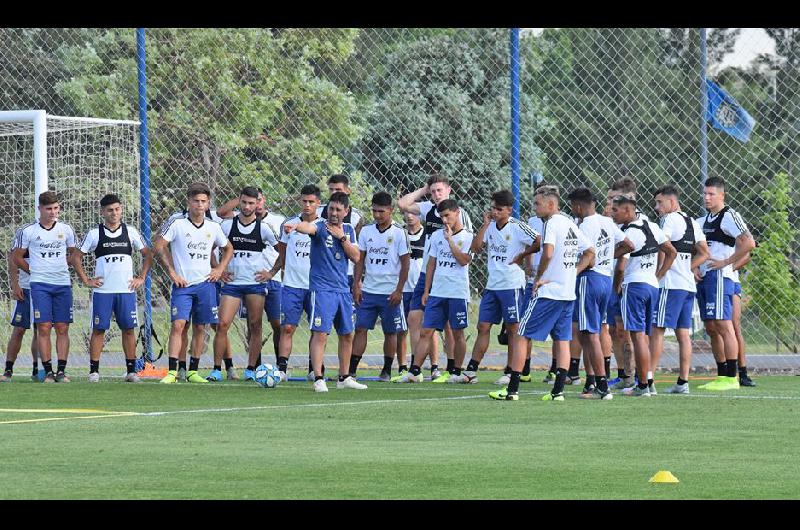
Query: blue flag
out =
(725, 114)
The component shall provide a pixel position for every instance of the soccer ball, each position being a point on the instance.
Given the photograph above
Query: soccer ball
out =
(267, 376)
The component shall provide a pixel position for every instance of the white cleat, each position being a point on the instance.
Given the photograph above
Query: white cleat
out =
(652, 389)
(94, 377)
(349, 382)
(320, 386)
(678, 389)
(283, 375)
(504, 380)
(459, 379)
(408, 377)
(132, 378)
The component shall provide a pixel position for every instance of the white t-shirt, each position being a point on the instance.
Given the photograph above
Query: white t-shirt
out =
(502, 246)
(297, 265)
(450, 279)
(427, 210)
(569, 243)
(115, 269)
(605, 234)
(191, 247)
(731, 225)
(415, 263)
(24, 277)
(382, 261)
(642, 269)
(680, 275)
(47, 252)
(274, 222)
(538, 226)
(246, 263)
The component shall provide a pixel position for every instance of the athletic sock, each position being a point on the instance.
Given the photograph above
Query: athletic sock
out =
(318, 378)
(434, 367)
(602, 383)
(402, 368)
(722, 368)
(10, 366)
(94, 366)
(682, 381)
(742, 372)
(513, 383)
(181, 365)
(354, 360)
(415, 369)
(283, 364)
(218, 367)
(649, 378)
(456, 371)
(507, 370)
(173, 364)
(558, 386)
(47, 366)
(62, 365)
(250, 367)
(451, 363)
(36, 367)
(310, 368)
(732, 368)
(228, 363)
(574, 366)
(130, 366)
(387, 364)
(642, 385)
(412, 360)
(194, 362)
(607, 363)
(553, 365)
(526, 368)
(343, 377)
(473, 365)
(591, 380)
(621, 373)
(258, 360)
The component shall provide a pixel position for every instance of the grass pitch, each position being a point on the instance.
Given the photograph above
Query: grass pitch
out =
(235, 440)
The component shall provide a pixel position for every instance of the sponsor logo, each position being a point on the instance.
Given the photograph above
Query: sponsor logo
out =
(37, 314)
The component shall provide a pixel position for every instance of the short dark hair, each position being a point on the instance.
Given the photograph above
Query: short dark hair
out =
(669, 189)
(716, 182)
(311, 189)
(109, 199)
(625, 198)
(581, 195)
(447, 204)
(47, 198)
(625, 185)
(382, 199)
(196, 188)
(503, 198)
(250, 191)
(548, 190)
(438, 177)
(338, 178)
(341, 198)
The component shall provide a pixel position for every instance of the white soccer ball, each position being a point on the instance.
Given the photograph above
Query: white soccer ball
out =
(267, 376)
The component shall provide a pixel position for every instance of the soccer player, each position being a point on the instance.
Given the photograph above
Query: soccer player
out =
(294, 249)
(333, 244)
(49, 245)
(384, 267)
(21, 319)
(638, 274)
(677, 288)
(507, 241)
(446, 294)
(729, 241)
(593, 290)
(114, 285)
(566, 252)
(438, 187)
(744, 379)
(191, 242)
(245, 278)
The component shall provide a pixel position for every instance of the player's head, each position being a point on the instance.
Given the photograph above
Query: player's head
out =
(382, 208)
(411, 220)
(49, 207)
(623, 208)
(199, 198)
(339, 183)
(502, 205)
(310, 196)
(714, 193)
(545, 201)
(111, 209)
(666, 199)
(438, 187)
(581, 202)
(623, 185)
(338, 206)
(248, 200)
(261, 209)
(450, 213)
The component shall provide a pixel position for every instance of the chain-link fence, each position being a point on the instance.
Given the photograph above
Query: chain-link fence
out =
(284, 107)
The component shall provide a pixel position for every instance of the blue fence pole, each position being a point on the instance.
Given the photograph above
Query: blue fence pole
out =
(144, 187)
(515, 151)
(703, 106)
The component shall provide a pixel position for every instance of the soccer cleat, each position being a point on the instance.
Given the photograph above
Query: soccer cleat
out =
(525, 378)
(623, 383)
(5, 378)
(408, 377)
(309, 377)
(320, 385)
(250, 375)
(505, 379)
(726, 383)
(215, 375)
(283, 375)
(94, 377)
(50, 377)
(551, 397)
(132, 378)
(717, 380)
(746, 381)
(652, 389)
(435, 374)
(193, 377)
(349, 382)
(678, 389)
(61, 377)
(399, 376)
(171, 377)
(574, 381)
(466, 378)
(598, 394)
(442, 378)
(550, 378)
(504, 395)
(385, 377)
(231, 374)
(636, 391)
(181, 374)
(612, 382)
(588, 389)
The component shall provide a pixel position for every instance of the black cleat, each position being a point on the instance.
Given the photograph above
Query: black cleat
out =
(746, 381)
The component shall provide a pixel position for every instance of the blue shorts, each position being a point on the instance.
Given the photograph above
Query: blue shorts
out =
(407, 303)
(393, 320)
(272, 305)
(330, 309)
(500, 306)
(416, 298)
(51, 303)
(294, 301)
(674, 309)
(22, 311)
(613, 309)
(737, 289)
(198, 302)
(440, 311)
(592, 290)
(714, 296)
(638, 303)
(527, 293)
(240, 291)
(545, 317)
(122, 305)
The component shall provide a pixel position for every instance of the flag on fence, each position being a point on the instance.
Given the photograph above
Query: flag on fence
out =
(725, 114)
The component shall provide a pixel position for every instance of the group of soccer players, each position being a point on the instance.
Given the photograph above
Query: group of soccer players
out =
(592, 283)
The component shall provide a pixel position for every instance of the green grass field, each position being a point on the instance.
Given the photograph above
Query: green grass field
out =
(239, 441)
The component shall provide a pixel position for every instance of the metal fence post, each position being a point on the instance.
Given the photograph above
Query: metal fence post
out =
(515, 148)
(144, 186)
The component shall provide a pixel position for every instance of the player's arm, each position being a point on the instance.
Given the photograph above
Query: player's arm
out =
(544, 261)
(351, 250)
(226, 257)
(477, 241)
(619, 273)
(281, 248)
(147, 263)
(75, 259)
(742, 262)
(734, 227)
(669, 257)
(408, 202)
(625, 246)
(18, 256)
(586, 261)
(165, 257)
(303, 227)
(397, 296)
(13, 277)
(463, 258)
(701, 254)
(430, 270)
(358, 274)
(226, 210)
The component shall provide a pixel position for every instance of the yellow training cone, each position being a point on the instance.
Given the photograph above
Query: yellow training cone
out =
(664, 477)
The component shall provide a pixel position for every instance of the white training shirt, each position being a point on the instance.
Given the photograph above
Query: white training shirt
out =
(24, 277)
(382, 261)
(115, 270)
(274, 221)
(604, 234)
(426, 208)
(191, 247)
(502, 246)
(450, 279)
(415, 264)
(680, 275)
(732, 225)
(538, 226)
(298, 256)
(47, 251)
(245, 264)
(642, 269)
(569, 243)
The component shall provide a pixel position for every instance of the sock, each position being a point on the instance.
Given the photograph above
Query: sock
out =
(574, 366)
(451, 363)
(194, 362)
(354, 360)
(434, 367)
(526, 368)
(721, 368)
(742, 371)
(10, 366)
(130, 366)
(343, 377)
(649, 378)
(621, 373)
(387, 364)
(283, 364)
(607, 363)
(553, 365)
(602, 383)
(682, 381)
(513, 384)
(507, 370)
(731, 372)
(456, 371)
(310, 368)
(472, 366)
(228, 363)
(94, 366)
(590, 380)
(173, 364)
(258, 360)
(558, 386)
(412, 359)
(218, 367)
(642, 384)
(62, 365)
(318, 378)
(181, 365)
(36, 367)
(48, 367)
(250, 367)
(415, 369)
(402, 368)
